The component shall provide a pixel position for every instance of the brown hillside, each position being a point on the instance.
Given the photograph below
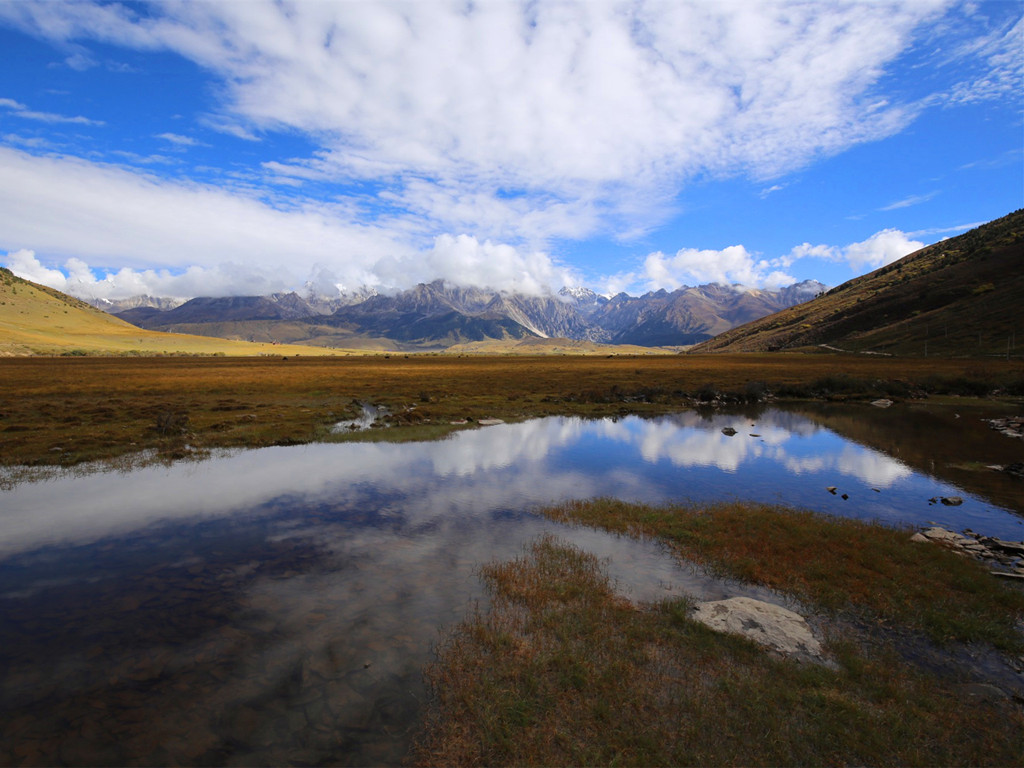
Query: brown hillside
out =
(961, 296)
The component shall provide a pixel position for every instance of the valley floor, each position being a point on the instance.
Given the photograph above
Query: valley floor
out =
(64, 411)
(558, 669)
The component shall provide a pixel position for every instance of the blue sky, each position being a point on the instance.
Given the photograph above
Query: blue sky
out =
(213, 148)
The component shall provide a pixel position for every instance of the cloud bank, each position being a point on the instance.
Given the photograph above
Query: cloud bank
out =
(469, 262)
(460, 140)
(735, 265)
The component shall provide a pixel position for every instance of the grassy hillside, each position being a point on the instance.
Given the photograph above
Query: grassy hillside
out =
(958, 297)
(36, 320)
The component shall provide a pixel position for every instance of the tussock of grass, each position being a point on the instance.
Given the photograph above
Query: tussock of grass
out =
(560, 671)
(836, 564)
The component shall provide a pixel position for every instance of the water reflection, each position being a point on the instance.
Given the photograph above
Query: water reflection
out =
(276, 606)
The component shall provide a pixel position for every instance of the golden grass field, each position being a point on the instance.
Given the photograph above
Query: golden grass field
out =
(64, 410)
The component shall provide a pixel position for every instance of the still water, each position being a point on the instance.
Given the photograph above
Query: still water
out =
(277, 606)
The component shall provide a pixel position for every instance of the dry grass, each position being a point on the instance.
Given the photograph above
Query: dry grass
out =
(559, 671)
(836, 565)
(67, 410)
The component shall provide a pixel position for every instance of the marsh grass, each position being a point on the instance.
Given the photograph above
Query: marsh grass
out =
(834, 564)
(94, 408)
(559, 670)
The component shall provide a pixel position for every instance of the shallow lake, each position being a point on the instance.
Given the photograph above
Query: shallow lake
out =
(278, 605)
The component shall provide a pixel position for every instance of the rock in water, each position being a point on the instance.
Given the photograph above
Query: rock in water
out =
(770, 625)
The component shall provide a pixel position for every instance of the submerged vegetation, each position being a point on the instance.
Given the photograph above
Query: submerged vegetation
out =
(560, 670)
(67, 410)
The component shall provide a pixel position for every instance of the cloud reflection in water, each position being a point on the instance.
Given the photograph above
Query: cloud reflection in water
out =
(779, 457)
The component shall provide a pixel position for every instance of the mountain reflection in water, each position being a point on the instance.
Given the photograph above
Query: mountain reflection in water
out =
(277, 605)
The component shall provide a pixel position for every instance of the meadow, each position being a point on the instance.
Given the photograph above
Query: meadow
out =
(66, 410)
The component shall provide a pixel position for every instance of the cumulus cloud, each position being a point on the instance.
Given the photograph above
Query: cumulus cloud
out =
(881, 248)
(690, 266)
(737, 265)
(468, 262)
(79, 279)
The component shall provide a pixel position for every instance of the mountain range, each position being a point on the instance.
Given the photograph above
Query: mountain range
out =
(959, 297)
(437, 315)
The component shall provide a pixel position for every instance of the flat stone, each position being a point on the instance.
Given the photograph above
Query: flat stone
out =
(936, 533)
(882, 403)
(770, 625)
(489, 422)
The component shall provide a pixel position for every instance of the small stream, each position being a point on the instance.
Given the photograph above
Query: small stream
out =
(277, 606)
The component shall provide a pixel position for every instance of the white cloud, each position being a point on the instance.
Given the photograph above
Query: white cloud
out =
(881, 248)
(907, 202)
(690, 266)
(465, 261)
(487, 131)
(736, 265)
(78, 279)
(22, 111)
(106, 215)
(1002, 74)
(66, 206)
(178, 139)
(592, 111)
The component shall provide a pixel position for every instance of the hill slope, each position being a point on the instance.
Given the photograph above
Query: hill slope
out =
(961, 296)
(35, 319)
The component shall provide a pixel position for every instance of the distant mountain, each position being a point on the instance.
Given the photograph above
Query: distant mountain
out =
(438, 314)
(961, 296)
(684, 316)
(114, 306)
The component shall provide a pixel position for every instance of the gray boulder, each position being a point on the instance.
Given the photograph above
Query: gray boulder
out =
(773, 626)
